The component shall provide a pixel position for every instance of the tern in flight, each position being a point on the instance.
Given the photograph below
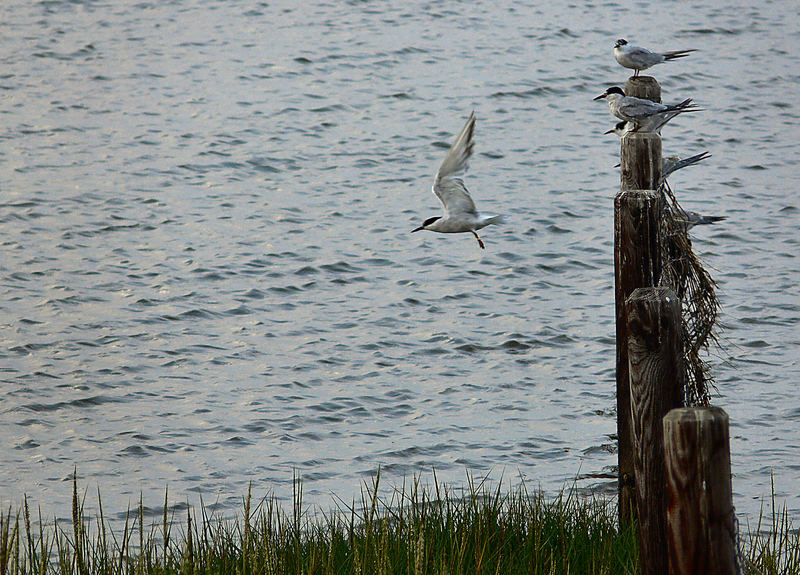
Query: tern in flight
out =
(460, 214)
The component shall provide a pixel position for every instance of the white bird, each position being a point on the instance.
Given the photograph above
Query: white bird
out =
(640, 112)
(638, 59)
(460, 214)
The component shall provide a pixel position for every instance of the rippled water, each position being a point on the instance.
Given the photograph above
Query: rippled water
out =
(207, 275)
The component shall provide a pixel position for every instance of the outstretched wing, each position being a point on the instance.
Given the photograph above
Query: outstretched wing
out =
(448, 185)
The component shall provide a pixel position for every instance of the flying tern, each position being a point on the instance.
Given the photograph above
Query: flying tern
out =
(460, 214)
(638, 59)
(643, 114)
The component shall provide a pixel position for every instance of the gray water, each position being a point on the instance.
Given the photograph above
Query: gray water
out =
(207, 272)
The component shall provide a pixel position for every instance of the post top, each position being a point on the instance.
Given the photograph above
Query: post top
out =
(631, 136)
(645, 87)
(642, 80)
(699, 414)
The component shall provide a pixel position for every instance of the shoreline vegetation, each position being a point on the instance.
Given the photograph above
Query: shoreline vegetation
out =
(413, 529)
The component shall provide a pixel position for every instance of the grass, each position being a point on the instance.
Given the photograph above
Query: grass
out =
(414, 529)
(776, 550)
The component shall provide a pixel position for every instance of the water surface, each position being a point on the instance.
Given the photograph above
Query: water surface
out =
(207, 276)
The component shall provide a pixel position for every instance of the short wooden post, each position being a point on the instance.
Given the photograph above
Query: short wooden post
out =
(637, 264)
(656, 380)
(643, 87)
(700, 516)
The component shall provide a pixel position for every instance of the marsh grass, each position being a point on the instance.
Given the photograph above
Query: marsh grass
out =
(415, 529)
(774, 549)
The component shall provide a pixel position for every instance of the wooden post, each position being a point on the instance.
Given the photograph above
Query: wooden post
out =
(643, 87)
(637, 264)
(640, 161)
(700, 516)
(656, 379)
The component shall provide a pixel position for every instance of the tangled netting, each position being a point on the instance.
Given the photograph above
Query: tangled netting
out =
(682, 271)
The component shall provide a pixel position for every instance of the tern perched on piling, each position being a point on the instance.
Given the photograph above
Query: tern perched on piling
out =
(638, 58)
(672, 164)
(689, 219)
(460, 214)
(643, 114)
(652, 124)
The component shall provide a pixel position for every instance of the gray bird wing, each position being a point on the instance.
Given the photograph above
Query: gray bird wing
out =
(674, 163)
(643, 56)
(638, 109)
(448, 185)
(658, 121)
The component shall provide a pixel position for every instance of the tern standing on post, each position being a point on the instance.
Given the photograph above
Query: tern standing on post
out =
(641, 112)
(652, 124)
(460, 214)
(638, 59)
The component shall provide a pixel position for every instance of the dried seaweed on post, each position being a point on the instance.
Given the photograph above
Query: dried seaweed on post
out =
(683, 271)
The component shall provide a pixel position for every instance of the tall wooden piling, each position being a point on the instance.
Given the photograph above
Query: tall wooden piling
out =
(636, 264)
(700, 514)
(656, 382)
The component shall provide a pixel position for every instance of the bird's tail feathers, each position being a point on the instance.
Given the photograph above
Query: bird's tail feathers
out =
(691, 160)
(687, 105)
(495, 220)
(673, 54)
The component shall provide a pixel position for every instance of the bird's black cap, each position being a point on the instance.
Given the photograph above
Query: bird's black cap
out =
(427, 222)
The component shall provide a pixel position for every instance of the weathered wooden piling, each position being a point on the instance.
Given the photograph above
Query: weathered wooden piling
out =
(674, 470)
(637, 264)
(700, 514)
(656, 382)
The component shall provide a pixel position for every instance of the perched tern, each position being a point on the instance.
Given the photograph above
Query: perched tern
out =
(639, 59)
(691, 219)
(640, 112)
(460, 214)
(672, 164)
(669, 164)
(652, 124)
